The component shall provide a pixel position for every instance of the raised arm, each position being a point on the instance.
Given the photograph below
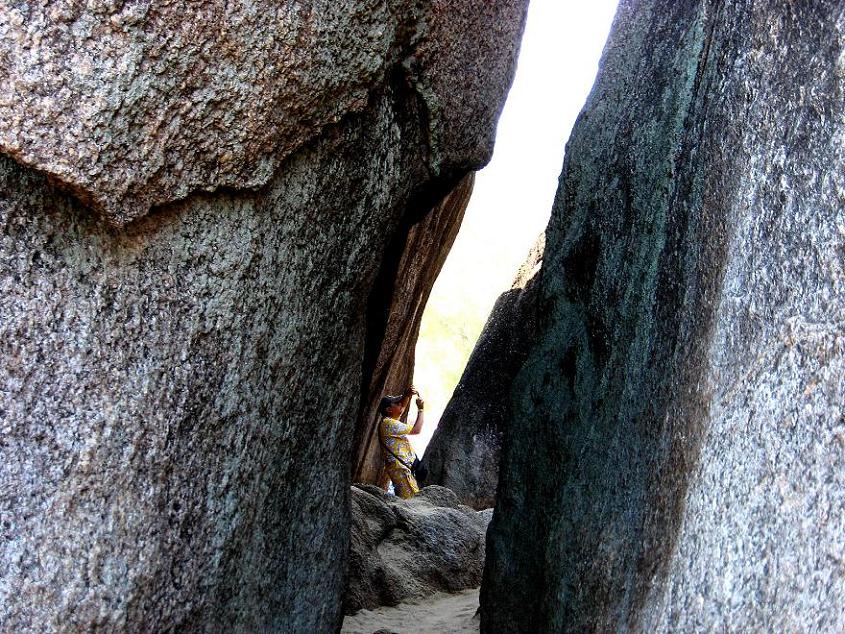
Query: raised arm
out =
(418, 425)
(406, 397)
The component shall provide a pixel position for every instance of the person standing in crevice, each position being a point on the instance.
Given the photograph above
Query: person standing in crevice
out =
(399, 458)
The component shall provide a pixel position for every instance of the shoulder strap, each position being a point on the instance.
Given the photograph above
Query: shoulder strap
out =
(395, 456)
(384, 446)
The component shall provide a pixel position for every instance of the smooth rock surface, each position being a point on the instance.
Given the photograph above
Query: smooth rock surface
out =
(409, 549)
(395, 311)
(676, 457)
(463, 454)
(178, 394)
(130, 105)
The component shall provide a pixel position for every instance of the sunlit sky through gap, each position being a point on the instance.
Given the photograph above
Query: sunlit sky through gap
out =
(513, 195)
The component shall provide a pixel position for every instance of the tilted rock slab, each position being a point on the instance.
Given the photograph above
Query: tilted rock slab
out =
(464, 451)
(676, 457)
(178, 393)
(409, 549)
(400, 295)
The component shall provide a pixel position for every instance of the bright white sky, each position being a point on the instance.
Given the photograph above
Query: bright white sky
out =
(513, 195)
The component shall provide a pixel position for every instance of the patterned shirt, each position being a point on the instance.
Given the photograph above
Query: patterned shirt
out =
(394, 436)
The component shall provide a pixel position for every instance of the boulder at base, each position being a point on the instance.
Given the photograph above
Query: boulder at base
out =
(408, 549)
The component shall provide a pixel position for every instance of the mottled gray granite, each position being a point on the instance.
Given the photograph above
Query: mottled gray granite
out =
(174, 443)
(130, 105)
(676, 457)
(405, 550)
(179, 385)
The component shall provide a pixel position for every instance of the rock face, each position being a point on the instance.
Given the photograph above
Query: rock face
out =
(463, 454)
(178, 394)
(132, 105)
(409, 549)
(400, 295)
(676, 457)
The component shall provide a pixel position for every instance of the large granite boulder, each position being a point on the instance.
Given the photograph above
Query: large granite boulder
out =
(675, 460)
(409, 549)
(463, 454)
(132, 105)
(179, 384)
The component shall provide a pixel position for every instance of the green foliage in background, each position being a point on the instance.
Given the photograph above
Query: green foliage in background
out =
(448, 334)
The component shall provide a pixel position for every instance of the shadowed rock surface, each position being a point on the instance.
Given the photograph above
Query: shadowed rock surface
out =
(405, 284)
(409, 549)
(676, 457)
(178, 394)
(463, 454)
(162, 385)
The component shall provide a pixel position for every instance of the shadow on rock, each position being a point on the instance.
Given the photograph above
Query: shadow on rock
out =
(408, 549)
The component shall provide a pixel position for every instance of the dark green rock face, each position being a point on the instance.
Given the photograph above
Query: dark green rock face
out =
(675, 457)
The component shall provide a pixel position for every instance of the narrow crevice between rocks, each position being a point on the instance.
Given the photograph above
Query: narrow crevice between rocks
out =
(396, 303)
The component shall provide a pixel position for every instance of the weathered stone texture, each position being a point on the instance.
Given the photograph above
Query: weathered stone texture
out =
(130, 105)
(400, 294)
(676, 457)
(409, 549)
(178, 394)
(171, 411)
(460, 103)
(463, 454)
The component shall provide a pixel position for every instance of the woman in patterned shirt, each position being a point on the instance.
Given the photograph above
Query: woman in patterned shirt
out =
(393, 433)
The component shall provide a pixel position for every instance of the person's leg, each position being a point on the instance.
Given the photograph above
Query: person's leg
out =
(404, 482)
(412, 483)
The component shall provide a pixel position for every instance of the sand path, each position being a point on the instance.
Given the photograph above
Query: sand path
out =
(438, 614)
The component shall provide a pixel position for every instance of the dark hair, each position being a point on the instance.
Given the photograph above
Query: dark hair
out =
(386, 402)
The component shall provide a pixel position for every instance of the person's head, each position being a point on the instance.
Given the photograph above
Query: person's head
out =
(391, 406)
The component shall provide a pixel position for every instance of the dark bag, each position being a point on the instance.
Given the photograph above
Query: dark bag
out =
(419, 470)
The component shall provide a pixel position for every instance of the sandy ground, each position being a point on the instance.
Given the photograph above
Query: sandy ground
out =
(438, 614)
